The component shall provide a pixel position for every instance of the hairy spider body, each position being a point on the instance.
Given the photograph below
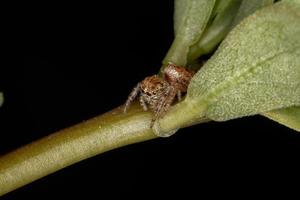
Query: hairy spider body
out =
(153, 90)
(179, 77)
(159, 93)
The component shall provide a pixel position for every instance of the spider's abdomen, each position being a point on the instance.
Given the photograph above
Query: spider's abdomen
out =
(177, 76)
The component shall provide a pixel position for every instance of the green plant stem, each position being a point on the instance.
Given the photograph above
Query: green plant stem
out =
(181, 115)
(63, 148)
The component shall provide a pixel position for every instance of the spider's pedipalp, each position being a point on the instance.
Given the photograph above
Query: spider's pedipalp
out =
(135, 91)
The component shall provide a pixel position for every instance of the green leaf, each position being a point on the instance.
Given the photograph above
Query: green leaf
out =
(256, 68)
(223, 15)
(190, 19)
(289, 117)
(248, 7)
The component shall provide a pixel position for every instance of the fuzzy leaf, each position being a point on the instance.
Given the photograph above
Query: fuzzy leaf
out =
(289, 117)
(256, 68)
(190, 19)
(248, 7)
(221, 22)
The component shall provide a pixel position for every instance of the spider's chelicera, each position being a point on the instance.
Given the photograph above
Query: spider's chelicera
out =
(157, 93)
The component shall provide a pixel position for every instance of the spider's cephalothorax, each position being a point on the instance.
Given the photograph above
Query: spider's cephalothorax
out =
(159, 93)
(153, 90)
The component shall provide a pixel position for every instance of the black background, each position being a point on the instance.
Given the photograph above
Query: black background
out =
(79, 60)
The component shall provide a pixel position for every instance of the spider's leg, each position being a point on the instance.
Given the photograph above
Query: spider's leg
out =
(164, 104)
(168, 101)
(143, 103)
(179, 95)
(133, 94)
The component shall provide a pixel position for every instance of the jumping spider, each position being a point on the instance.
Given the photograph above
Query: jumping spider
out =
(159, 93)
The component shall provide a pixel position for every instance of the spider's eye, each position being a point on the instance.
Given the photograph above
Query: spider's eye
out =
(147, 93)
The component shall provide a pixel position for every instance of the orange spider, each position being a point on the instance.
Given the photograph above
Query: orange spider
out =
(159, 93)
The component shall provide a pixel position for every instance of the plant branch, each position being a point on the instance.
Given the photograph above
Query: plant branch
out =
(63, 148)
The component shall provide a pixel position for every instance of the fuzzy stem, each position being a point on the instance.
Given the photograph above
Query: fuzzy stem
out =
(63, 148)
